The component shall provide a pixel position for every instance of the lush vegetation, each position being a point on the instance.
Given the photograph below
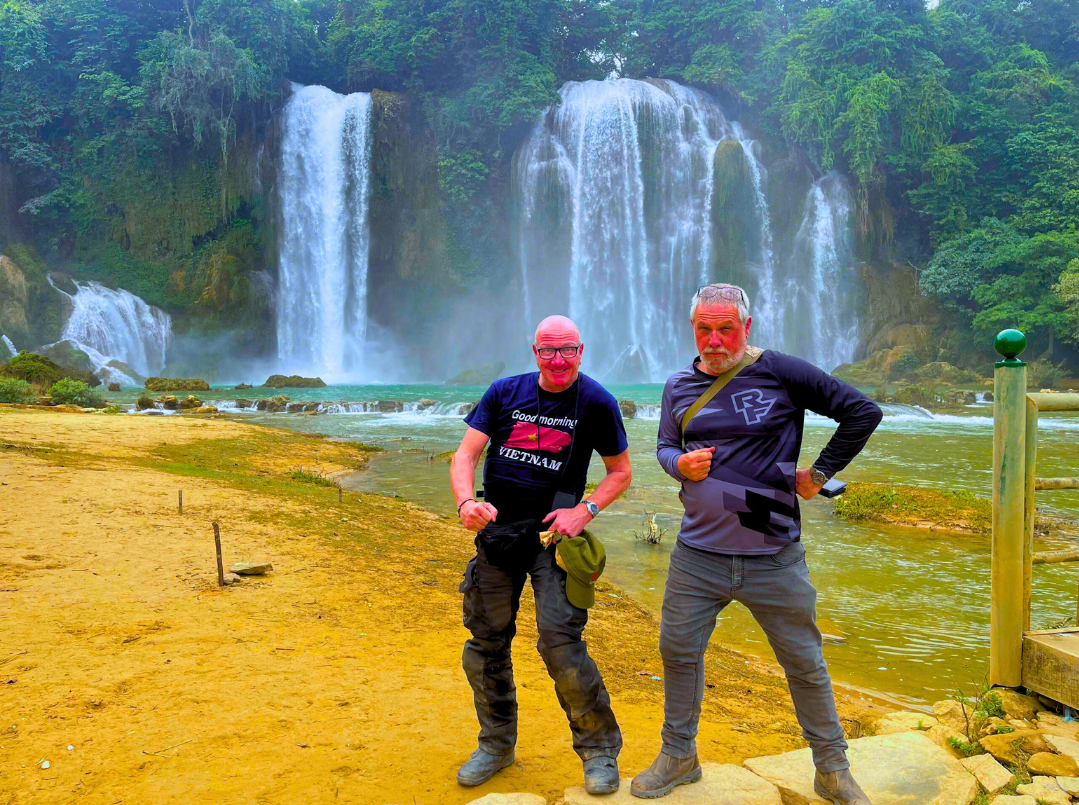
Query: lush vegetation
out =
(67, 391)
(13, 390)
(129, 129)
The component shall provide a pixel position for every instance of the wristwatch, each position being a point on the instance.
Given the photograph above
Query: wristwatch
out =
(593, 509)
(818, 477)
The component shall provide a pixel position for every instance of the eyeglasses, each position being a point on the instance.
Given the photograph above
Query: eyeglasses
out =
(725, 287)
(566, 352)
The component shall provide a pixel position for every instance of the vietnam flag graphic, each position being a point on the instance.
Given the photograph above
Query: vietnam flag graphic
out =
(525, 437)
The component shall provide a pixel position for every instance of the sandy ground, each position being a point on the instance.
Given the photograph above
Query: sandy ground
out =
(334, 679)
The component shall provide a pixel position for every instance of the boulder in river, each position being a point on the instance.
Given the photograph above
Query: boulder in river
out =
(243, 386)
(120, 366)
(272, 405)
(243, 402)
(72, 361)
(169, 403)
(628, 409)
(190, 402)
(176, 384)
(478, 375)
(114, 386)
(293, 382)
(632, 366)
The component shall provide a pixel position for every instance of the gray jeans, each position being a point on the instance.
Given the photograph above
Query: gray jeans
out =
(777, 590)
(491, 600)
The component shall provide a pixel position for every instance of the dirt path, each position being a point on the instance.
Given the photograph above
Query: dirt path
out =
(334, 679)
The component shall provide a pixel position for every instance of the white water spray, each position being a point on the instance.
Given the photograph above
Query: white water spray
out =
(115, 325)
(9, 345)
(324, 186)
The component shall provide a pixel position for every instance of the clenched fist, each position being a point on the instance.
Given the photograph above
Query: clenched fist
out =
(475, 515)
(696, 463)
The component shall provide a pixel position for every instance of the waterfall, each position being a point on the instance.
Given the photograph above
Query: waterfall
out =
(823, 253)
(9, 345)
(115, 325)
(614, 190)
(324, 187)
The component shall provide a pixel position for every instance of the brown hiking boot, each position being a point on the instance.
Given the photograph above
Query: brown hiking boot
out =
(839, 787)
(659, 779)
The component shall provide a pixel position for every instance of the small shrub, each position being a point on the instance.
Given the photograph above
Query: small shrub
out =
(1045, 375)
(649, 532)
(14, 390)
(993, 705)
(964, 747)
(34, 369)
(66, 391)
(112, 409)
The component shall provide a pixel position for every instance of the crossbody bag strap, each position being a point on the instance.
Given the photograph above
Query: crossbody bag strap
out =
(750, 357)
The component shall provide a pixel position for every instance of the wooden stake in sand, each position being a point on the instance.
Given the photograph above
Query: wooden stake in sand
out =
(338, 494)
(181, 501)
(220, 566)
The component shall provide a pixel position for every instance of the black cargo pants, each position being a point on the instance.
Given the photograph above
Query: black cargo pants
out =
(492, 597)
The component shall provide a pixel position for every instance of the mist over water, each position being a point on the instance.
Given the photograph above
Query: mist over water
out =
(614, 192)
(324, 188)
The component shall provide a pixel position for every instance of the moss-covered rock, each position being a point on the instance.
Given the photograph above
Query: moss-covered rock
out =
(145, 402)
(735, 231)
(478, 375)
(293, 382)
(41, 371)
(943, 372)
(120, 366)
(176, 384)
(31, 310)
(66, 354)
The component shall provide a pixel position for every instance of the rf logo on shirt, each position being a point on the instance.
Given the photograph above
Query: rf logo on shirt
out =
(753, 405)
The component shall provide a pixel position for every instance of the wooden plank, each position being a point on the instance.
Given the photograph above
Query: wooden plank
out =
(1053, 557)
(1051, 666)
(1047, 401)
(1007, 613)
(1065, 630)
(1046, 484)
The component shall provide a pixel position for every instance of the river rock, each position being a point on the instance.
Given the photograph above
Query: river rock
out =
(272, 405)
(251, 568)
(942, 735)
(950, 712)
(390, 406)
(1046, 763)
(510, 799)
(1046, 791)
(114, 386)
(232, 578)
(989, 774)
(1065, 746)
(1014, 800)
(1069, 785)
(244, 387)
(202, 409)
(243, 402)
(189, 403)
(1003, 747)
(176, 384)
(902, 721)
(70, 357)
(1017, 705)
(123, 368)
(293, 382)
(1055, 724)
(720, 784)
(903, 768)
(628, 409)
(478, 375)
(169, 403)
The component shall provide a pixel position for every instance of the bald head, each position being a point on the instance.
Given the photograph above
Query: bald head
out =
(558, 331)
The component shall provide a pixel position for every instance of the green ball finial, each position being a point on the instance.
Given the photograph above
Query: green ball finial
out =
(1010, 344)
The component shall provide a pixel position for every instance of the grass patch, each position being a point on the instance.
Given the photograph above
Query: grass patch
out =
(894, 504)
(308, 477)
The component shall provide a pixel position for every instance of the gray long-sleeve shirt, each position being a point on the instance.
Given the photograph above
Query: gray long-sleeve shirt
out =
(747, 504)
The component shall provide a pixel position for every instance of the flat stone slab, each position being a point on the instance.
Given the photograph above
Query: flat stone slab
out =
(902, 769)
(902, 721)
(988, 772)
(720, 784)
(1065, 746)
(251, 568)
(510, 799)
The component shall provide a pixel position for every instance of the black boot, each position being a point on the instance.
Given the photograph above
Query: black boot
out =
(482, 766)
(601, 775)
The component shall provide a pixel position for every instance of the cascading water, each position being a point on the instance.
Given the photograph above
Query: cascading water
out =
(823, 254)
(324, 189)
(615, 189)
(9, 345)
(115, 325)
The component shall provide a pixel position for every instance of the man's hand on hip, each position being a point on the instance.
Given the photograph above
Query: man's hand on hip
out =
(475, 515)
(569, 522)
(803, 484)
(696, 463)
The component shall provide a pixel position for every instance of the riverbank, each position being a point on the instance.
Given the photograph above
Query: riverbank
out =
(334, 679)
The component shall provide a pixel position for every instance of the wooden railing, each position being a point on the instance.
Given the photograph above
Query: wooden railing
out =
(1015, 456)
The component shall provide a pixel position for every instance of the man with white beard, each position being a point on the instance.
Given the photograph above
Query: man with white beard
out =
(731, 431)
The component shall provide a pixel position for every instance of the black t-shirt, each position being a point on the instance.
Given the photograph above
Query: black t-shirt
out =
(526, 463)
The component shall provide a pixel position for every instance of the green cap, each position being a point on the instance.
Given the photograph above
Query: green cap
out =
(583, 559)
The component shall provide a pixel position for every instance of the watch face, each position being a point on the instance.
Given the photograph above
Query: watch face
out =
(818, 476)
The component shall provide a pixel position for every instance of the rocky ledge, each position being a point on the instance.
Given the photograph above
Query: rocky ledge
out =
(293, 382)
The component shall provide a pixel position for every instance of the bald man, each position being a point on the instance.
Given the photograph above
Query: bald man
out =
(542, 428)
